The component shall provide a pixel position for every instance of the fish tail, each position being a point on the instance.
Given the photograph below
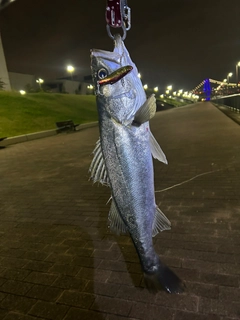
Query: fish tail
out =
(163, 278)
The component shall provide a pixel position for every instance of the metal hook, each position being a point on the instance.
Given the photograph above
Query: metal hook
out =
(118, 15)
(112, 37)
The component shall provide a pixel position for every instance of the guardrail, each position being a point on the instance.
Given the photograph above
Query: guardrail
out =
(231, 101)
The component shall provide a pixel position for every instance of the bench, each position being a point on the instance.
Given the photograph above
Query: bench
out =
(67, 125)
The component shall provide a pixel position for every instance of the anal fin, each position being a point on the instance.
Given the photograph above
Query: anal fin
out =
(160, 222)
(116, 223)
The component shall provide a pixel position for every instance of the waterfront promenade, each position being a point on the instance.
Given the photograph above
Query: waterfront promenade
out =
(59, 261)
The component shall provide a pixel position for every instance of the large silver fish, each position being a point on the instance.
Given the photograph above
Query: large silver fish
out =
(123, 159)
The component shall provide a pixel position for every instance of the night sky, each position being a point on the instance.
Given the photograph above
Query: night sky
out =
(177, 42)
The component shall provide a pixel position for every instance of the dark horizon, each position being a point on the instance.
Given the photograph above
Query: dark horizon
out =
(172, 42)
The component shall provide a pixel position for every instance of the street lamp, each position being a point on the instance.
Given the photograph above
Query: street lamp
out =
(156, 89)
(70, 69)
(228, 76)
(40, 81)
(169, 87)
(139, 75)
(237, 65)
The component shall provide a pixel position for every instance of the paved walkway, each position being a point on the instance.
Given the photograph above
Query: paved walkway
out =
(59, 261)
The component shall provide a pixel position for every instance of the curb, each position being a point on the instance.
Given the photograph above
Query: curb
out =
(41, 134)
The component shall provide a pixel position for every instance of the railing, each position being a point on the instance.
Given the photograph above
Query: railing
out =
(231, 101)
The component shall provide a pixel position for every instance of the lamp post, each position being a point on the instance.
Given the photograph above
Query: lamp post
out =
(40, 81)
(228, 76)
(70, 69)
(237, 65)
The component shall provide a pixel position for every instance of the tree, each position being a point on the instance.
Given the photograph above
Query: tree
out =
(2, 84)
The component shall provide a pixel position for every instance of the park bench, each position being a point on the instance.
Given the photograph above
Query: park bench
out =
(67, 125)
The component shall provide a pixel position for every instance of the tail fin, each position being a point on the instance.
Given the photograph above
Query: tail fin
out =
(163, 278)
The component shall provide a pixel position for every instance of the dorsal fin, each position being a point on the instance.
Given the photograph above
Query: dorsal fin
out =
(116, 223)
(156, 150)
(97, 167)
(145, 112)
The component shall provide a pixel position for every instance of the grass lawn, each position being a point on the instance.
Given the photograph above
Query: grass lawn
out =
(39, 111)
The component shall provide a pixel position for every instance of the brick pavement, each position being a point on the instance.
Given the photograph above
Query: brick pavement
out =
(59, 261)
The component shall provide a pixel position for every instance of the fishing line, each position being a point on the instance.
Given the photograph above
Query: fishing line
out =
(186, 181)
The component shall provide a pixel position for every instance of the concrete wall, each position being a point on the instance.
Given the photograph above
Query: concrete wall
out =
(19, 80)
(3, 68)
(70, 86)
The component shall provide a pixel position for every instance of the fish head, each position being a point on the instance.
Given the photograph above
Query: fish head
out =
(118, 88)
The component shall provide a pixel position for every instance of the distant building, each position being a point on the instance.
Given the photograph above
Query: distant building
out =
(3, 69)
(20, 81)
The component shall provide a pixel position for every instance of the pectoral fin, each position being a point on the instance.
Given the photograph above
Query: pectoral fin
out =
(116, 224)
(156, 150)
(97, 167)
(146, 112)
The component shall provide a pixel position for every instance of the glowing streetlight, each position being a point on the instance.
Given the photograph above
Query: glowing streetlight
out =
(237, 65)
(169, 87)
(40, 81)
(162, 96)
(139, 75)
(156, 89)
(167, 91)
(228, 76)
(145, 87)
(22, 92)
(90, 87)
(70, 69)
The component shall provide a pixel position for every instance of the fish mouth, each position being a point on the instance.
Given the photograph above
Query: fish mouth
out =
(115, 76)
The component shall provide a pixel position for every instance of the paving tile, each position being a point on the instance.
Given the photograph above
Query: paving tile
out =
(18, 316)
(76, 299)
(16, 287)
(100, 275)
(49, 310)
(41, 292)
(41, 278)
(146, 311)
(180, 315)
(67, 282)
(103, 289)
(83, 314)
(17, 303)
(109, 305)
(64, 269)
(15, 274)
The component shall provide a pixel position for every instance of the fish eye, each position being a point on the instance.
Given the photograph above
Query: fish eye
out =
(102, 73)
